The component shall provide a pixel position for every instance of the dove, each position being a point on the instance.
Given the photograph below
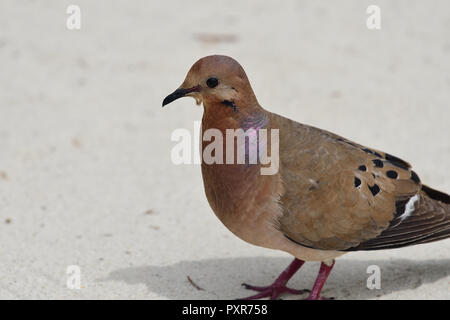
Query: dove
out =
(329, 196)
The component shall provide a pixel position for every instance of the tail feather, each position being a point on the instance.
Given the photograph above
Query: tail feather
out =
(440, 202)
(444, 234)
(436, 195)
(430, 221)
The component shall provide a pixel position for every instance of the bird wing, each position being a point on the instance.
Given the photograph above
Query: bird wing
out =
(340, 195)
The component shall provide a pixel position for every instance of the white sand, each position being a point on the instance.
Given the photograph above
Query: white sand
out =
(85, 146)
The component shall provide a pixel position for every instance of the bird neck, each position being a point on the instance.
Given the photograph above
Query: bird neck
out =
(221, 116)
(230, 187)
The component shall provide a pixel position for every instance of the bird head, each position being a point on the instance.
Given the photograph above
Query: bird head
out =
(217, 81)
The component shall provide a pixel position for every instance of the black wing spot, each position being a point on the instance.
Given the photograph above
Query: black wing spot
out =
(378, 163)
(399, 165)
(400, 207)
(372, 152)
(375, 189)
(362, 168)
(392, 174)
(397, 161)
(377, 154)
(415, 177)
(357, 182)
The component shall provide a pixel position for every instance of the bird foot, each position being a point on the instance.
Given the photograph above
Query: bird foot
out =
(272, 292)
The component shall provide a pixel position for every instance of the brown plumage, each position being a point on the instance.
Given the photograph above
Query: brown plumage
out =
(330, 195)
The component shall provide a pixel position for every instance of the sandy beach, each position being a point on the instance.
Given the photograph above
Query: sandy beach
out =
(86, 177)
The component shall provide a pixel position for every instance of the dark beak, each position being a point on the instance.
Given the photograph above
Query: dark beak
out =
(179, 93)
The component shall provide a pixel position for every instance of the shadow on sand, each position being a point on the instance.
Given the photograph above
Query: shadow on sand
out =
(221, 278)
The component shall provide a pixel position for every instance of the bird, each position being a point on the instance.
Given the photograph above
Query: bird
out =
(329, 196)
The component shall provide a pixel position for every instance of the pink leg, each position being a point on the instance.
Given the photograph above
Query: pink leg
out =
(320, 281)
(279, 286)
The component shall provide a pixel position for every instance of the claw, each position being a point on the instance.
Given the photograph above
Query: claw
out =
(273, 291)
(279, 286)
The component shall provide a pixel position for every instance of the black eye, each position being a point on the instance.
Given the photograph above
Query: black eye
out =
(212, 82)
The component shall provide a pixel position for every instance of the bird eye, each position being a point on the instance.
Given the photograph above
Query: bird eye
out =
(212, 82)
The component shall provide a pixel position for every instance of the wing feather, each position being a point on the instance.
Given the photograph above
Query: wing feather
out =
(340, 195)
